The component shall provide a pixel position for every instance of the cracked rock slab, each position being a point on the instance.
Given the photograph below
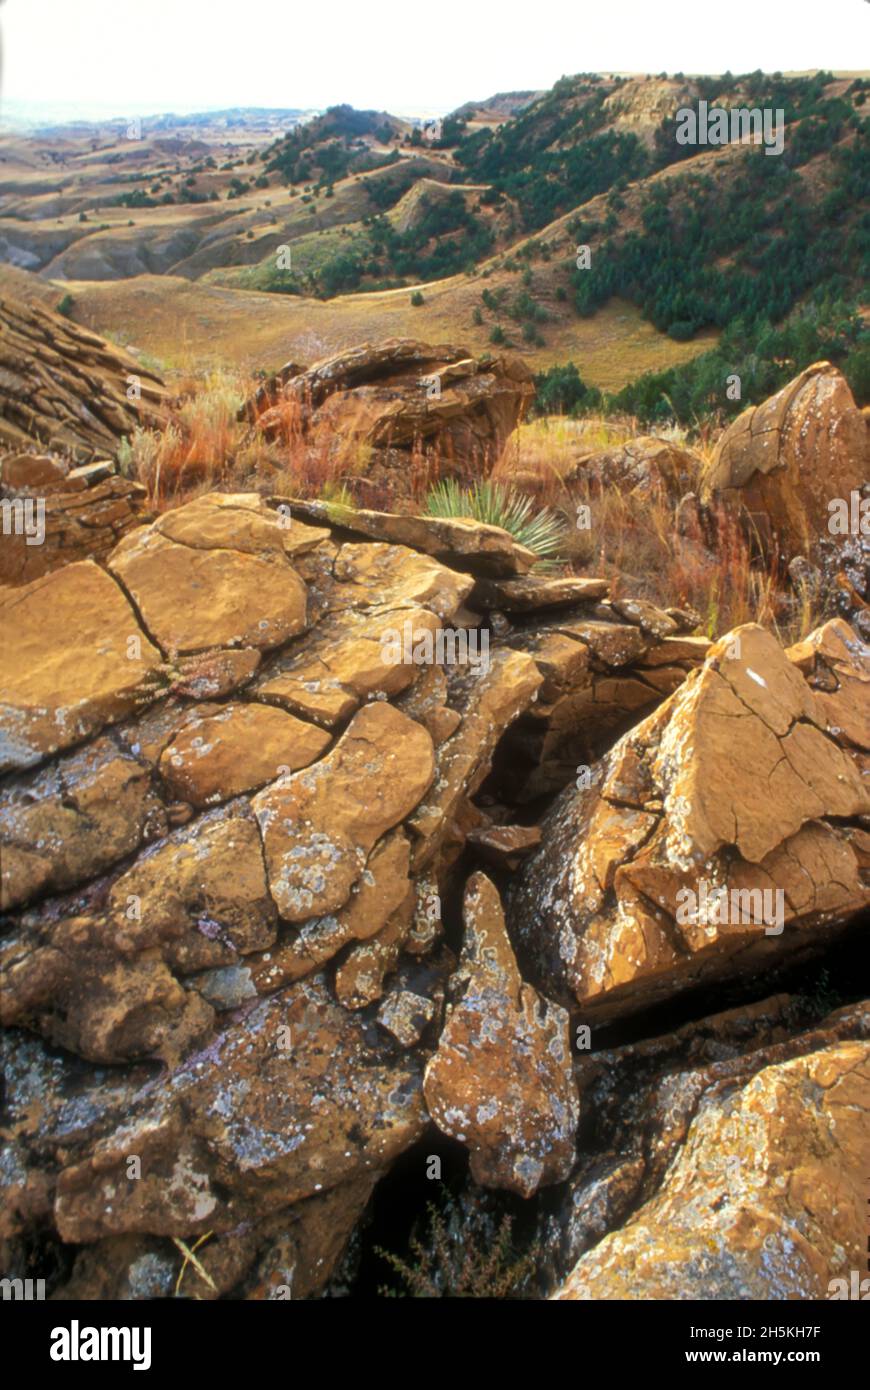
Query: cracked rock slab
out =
(654, 876)
(74, 659)
(320, 825)
(192, 598)
(239, 749)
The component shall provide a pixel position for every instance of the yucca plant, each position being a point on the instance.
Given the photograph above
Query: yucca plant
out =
(498, 504)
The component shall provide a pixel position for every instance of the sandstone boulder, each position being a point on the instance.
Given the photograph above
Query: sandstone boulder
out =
(733, 1161)
(645, 466)
(782, 462)
(653, 870)
(416, 410)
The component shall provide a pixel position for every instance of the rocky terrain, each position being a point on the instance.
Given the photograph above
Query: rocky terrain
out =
(344, 850)
(435, 700)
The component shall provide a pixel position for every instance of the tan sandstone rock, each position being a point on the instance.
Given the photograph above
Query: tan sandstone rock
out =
(652, 875)
(74, 659)
(319, 826)
(192, 598)
(237, 750)
(764, 1199)
(783, 461)
(501, 1079)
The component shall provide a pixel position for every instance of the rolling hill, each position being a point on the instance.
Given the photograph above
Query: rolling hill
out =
(237, 245)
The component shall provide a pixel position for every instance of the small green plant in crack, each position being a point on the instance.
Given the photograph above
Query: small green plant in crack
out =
(462, 1249)
(338, 504)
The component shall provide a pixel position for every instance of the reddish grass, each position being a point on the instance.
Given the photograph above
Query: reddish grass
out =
(633, 540)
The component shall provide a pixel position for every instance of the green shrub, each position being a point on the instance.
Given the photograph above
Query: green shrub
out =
(856, 370)
(464, 1251)
(561, 391)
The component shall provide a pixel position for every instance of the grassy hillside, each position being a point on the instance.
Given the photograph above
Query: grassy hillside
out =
(470, 232)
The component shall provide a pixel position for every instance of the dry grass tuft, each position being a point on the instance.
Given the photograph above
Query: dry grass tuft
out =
(633, 539)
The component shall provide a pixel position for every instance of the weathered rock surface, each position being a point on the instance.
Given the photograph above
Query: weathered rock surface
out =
(66, 389)
(192, 598)
(411, 406)
(732, 1161)
(505, 845)
(74, 659)
(237, 749)
(290, 1254)
(532, 595)
(295, 1097)
(501, 1080)
(241, 787)
(488, 704)
(782, 462)
(59, 514)
(652, 877)
(467, 544)
(645, 466)
(319, 827)
(142, 955)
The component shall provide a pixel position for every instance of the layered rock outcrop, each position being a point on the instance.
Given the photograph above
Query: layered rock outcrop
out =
(413, 410)
(66, 389)
(229, 807)
(53, 514)
(250, 760)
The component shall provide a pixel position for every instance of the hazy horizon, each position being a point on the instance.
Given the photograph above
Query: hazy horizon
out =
(96, 58)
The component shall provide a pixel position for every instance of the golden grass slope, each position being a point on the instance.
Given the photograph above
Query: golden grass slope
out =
(188, 326)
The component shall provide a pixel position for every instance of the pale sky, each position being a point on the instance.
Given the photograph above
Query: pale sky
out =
(128, 56)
